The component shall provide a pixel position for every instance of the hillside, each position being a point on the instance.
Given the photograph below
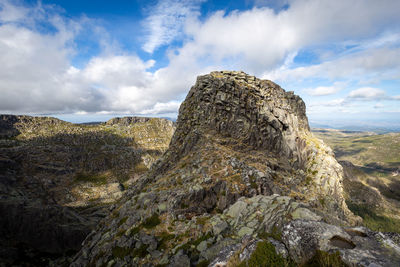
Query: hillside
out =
(59, 179)
(372, 166)
(243, 182)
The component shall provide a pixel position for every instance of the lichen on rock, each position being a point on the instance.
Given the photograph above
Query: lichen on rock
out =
(242, 165)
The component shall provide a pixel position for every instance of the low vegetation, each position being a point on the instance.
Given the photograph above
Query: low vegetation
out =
(265, 256)
(151, 222)
(374, 221)
(376, 160)
(325, 259)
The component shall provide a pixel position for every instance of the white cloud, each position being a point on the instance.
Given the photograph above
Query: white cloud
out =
(11, 13)
(379, 105)
(166, 21)
(379, 63)
(325, 90)
(331, 103)
(36, 74)
(367, 93)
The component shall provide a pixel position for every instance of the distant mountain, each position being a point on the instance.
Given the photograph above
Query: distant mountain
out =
(359, 126)
(58, 179)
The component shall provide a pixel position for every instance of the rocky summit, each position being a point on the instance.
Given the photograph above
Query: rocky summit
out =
(243, 183)
(58, 180)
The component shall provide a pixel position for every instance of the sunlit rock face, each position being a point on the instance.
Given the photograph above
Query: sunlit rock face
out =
(241, 163)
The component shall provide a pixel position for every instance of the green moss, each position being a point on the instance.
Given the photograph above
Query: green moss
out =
(134, 231)
(120, 233)
(202, 220)
(374, 221)
(187, 246)
(265, 256)
(275, 234)
(140, 252)
(90, 178)
(122, 221)
(140, 168)
(203, 263)
(151, 222)
(120, 252)
(253, 183)
(325, 259)
(308, 180)
(184, 205)
(322, 201)
(201, 239)
(164, 238)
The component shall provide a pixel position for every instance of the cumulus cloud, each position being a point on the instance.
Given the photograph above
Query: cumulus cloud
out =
(36, 74)
(367, 93)
(325, 90)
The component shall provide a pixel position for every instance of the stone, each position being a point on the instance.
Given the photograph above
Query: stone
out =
(180, 260)
(236, 209)
(245, 231)
(306, 214)
(202, 246)
(218, 225)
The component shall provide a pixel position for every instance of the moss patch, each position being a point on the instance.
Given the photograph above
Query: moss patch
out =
(151, 222)
(90, 178)
(275, 234)
(120, 252)
(325, 259)
(265, 256)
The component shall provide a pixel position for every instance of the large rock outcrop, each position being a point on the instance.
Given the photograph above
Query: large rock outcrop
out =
(242, 164)
(58, 179)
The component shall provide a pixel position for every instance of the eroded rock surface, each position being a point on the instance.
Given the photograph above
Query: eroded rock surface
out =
(242, 163)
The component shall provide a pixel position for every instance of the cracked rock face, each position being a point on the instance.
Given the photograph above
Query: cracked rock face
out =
(259, 115)
(242, 159)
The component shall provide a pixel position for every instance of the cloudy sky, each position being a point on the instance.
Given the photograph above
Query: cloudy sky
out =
(91, 60)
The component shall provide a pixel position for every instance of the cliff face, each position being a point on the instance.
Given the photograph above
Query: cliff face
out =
(250, 114)
(242, 168)
(58, 179)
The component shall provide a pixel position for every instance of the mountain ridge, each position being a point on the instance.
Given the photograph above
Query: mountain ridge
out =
(218, 191)
(59, 179)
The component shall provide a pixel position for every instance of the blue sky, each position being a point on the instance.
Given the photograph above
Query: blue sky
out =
(92, 60)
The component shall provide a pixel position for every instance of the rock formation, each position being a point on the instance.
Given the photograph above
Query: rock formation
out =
(242, 168)
(58, 179)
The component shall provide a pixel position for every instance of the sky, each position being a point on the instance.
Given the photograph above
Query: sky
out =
(93, 60)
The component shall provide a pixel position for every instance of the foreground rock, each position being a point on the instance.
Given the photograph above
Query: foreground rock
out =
(242, 169)
(58, 179)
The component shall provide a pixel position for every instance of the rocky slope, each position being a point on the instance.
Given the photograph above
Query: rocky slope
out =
(242, 173)
(58, 179)
(371, 167)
